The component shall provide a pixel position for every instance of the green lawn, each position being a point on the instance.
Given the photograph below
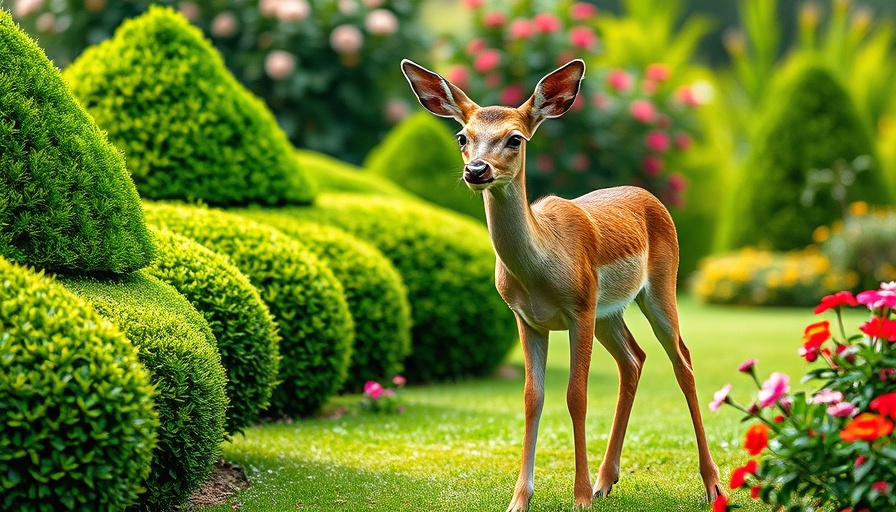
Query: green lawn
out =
(458, 445)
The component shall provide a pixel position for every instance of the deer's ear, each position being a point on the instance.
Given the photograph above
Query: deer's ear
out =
(436, 94)
(555, 93)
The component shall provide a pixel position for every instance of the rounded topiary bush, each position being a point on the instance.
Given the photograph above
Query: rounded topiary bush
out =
(421, 155)
(188, 128)
(243, 327)
(461, 326)
(374, 291)
(814, 125)
(304, 297)
(175, 345)
(66, 200)
(78, 424)
(334, 175)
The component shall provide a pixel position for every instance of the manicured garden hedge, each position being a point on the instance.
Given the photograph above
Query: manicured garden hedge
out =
(188, 128)
(421, 155)
(78, 425)
(374, 291)
(66, 200)
(244, 328)
(461, 326)
(176, 346)
(334, 175)
(304, 297)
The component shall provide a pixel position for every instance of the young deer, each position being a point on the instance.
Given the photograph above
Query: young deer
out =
(569, 265)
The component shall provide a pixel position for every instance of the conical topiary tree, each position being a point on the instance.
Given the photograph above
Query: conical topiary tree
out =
(813, 126)
(189, 130)
(66, 200)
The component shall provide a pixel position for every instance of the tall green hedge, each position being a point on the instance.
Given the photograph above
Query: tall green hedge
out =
(188, 128)
(304, 297)
(66, 200)
(77, 424)
(421, 155)
(375, 293)
(814, 124)
(175, 345)
(334, 175)
(241, 322)
(461, 326)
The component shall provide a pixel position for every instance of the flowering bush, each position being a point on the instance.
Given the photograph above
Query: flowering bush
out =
(380, 399)
(863, 242)
(627, 125)
(833, 448)
(317, 63)
(760, 277)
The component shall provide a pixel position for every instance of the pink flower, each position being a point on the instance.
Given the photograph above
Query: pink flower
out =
(658, 72)
(22, 8)
(396, 110)
(399, 381)
(682, 141)
(581, 11)
(279, 64)
(600, 100)
(677, 182)
(473, 4)
(546, 23)
(827, 396)
(46, 23)
(652, 165)
(876, 299)
(514, 94)
(381, 22)
(458, 75)
(881, 487)
(842, 410)
(493, 80)
(657, 141)
(888, 287)
(487, 60)
(190, 10)
(720, 397)
(774, 389)
(582, 37)
(346, 39)
(580, 162)
(224, 24)
(292, 10)
(619, 80)
(643, 110)
(747, 366)
(685, 95)
(521, 29)
(373, 389)
(494, 19)
(544, 163)
(475, 46)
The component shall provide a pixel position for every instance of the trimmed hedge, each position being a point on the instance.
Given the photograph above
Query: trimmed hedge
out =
(174, 343)
(461, 326)
(244, 328)
(374, 291)
(78, 426)
(334, 175)
(814, 125)
(189, 129)
(304, 297)
(66, 200)
(421, 155)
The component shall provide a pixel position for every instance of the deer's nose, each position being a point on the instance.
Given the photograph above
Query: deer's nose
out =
(476, 170)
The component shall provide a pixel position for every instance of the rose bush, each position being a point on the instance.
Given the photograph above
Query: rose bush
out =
(832, 448)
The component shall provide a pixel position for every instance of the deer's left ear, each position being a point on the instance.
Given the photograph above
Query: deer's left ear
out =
(555, 93)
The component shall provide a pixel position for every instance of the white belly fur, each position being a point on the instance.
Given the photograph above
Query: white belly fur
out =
(619, 283)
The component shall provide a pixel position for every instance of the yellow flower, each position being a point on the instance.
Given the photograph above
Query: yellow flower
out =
(858, 208)
(821, 234)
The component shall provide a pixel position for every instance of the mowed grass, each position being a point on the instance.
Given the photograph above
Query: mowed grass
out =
(458, 445)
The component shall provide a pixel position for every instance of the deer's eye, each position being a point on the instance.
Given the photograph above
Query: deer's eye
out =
(461, 140)
(514, 142)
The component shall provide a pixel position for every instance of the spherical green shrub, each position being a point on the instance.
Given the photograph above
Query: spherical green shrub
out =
(304, 297)
(374, 291)
(461, 326)
(188, 128)
(78, 425)
(334, 175)
(173, 343)
(421, 155)
(66, 200)
(812, 126)
(244, 328)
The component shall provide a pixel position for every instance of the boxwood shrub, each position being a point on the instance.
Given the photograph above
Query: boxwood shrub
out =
(241, 322)
(189, 129)
(66, 200)
(334, 175)
(306, 300)
(78, 424)
(421, 155)
(374, 291)
(461, 326)
(174, 344)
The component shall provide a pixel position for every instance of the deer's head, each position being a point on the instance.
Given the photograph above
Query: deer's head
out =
(493, 139)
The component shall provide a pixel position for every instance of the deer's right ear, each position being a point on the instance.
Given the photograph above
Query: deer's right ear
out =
(436, 94)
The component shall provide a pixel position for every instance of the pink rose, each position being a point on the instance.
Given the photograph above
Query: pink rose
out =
(522, 29)
(686, 96)
(652, 165)
(346, 39)
(546, 23)
(619, 80)
(581, 11)
(292, 10)
(582, 37)
(658, 141)
(642, 110)
(381, 22)
(224, 24)
(473, 4)
(373, 389)
(458, 75)
(399, 381)
(682, 141)
(487, 60)
(279, 64)
(513, 95)
(677, 182)
(475, 46)
(658, 72)
(774, 389)
(494, 19)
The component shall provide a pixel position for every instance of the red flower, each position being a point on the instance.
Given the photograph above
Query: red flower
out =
(739, 475)
(866, 427)
(835, 301)
(813, 337)
(885, 404)
(879, 327)
(861, 459)
(582, 37)
(720, 504)
(756, 438)
(494, 19)
(881, 487)
(546, 23)
(487, 60)
(754, 492)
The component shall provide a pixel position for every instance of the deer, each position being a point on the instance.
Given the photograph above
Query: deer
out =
(572, 265)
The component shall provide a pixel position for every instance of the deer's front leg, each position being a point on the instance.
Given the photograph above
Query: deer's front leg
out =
(581, 338)
(535, 349)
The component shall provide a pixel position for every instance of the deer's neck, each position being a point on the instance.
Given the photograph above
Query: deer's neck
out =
(513, 228)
